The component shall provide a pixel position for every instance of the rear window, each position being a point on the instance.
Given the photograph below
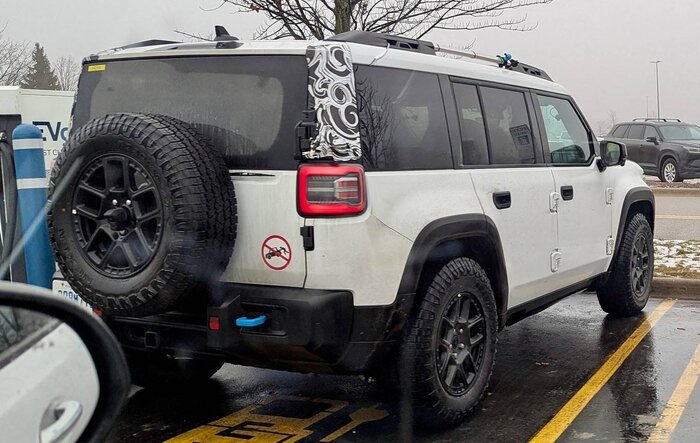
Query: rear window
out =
(247, 106)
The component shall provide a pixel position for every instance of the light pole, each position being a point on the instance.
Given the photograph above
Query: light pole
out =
(658, 100)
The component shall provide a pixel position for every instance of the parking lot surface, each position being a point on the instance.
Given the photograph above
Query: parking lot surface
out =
(569, 373)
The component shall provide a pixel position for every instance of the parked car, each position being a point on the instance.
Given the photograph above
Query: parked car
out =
(392, 210)
(665, 148)
(63, 377)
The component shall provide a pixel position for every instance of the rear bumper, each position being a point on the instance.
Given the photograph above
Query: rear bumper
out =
(305, 330)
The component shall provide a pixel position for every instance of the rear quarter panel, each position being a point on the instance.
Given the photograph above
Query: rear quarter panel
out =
(367, 254)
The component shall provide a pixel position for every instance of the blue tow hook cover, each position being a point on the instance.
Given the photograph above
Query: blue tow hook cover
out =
(245, 322)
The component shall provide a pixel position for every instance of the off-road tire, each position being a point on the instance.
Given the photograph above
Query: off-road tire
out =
(618, 296)
(198, 212)
(153, 370)
(434, 406)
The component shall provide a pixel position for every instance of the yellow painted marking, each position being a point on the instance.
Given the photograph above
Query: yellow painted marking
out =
(678, 217)
(357, 418)
(96, 68)
(676, 404)
(568, 413)
(248, 425)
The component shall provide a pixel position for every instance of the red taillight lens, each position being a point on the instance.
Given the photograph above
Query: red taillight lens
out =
(214, 323)
(331, 190)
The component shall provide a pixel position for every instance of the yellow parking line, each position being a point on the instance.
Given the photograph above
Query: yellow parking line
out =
(678, 217)
(676, 404)
(567, 414)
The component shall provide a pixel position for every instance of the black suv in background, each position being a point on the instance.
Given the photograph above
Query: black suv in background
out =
(666, 148)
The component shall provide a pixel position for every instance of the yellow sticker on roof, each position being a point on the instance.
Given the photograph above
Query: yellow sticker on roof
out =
(96, 68)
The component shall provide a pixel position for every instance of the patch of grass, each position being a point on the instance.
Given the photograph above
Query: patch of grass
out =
(665, 271)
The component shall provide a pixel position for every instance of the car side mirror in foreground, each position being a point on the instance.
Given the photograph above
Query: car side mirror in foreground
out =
(611, 154)
(63, 375)
(653, 140)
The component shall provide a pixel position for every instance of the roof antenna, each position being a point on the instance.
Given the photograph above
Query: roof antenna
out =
(222, 34)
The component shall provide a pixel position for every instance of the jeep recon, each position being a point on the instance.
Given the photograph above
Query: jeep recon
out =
(358, 205)
(665, 148)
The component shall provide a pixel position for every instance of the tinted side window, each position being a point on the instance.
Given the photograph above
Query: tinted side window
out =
(620, 131)
(567, 137)
(636, 132)
(402, 120)
(650, 131)
(510, 132)
(471, 125)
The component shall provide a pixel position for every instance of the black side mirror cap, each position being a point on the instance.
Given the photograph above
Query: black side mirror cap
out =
(653, 140)
(611, 154)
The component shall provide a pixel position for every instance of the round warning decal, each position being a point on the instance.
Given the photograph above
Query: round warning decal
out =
(276, 252)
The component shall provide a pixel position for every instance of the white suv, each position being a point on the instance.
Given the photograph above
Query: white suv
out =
(390, 209)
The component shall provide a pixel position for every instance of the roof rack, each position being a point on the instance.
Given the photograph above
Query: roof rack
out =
(426, 47)
(657, 120)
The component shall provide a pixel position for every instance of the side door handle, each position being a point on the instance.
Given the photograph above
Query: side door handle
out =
(501, 199)
(567, 193)
(66, 415)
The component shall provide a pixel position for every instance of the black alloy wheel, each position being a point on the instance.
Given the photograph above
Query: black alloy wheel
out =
(640, 264)
(461, 344)
(118, 215)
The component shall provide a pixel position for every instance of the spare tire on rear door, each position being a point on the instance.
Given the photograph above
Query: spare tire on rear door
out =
(144, 213)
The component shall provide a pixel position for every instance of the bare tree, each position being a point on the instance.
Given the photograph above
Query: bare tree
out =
(67, 70)
(605, 126)
(304, 19)
(15, 60)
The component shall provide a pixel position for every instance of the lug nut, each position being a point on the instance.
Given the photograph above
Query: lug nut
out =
(114, 202)
(73, 212)
(128, 202)
(461, 346)
(461, 331)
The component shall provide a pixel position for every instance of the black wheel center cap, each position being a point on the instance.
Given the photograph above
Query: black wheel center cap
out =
(118, 218)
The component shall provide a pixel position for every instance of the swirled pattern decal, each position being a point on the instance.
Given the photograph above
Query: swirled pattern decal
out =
(332, 96)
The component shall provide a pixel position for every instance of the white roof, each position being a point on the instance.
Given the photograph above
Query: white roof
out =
(361, 54)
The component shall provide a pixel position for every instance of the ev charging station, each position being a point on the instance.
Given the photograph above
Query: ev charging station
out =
(35, 124)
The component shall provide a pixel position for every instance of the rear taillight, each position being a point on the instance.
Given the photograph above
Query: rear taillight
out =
(331, 190)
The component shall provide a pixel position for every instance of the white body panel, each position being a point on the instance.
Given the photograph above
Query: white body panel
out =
(267, 207)
(48, 110)
(57, 368)
(583, 222)
(528, 229)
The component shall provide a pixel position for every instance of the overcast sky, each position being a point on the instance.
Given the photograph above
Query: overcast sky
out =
(599, 49)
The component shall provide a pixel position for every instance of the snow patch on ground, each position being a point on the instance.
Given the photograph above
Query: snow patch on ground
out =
(677, 258)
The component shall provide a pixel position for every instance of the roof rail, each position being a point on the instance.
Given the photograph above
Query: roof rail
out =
(503, 61)
(426, 47)
(384, 40)
(657, 120)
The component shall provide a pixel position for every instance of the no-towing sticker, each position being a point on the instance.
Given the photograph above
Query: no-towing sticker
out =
(276, 252)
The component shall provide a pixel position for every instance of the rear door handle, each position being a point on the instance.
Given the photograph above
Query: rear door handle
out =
(567, 192)
(501, 199)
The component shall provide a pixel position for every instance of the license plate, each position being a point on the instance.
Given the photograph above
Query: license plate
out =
(63, 289)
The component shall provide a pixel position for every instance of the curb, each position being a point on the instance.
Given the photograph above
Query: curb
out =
(680, 288)
(676, 192)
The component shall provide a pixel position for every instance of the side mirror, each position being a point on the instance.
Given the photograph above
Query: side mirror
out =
(611, 154)
(61, 369)
(653, 140)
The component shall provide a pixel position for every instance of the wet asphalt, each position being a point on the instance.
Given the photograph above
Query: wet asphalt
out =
(541, 363)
